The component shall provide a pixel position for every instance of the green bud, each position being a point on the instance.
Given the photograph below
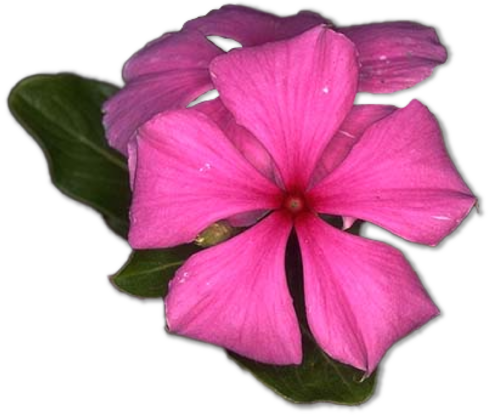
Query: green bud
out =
(214, 234)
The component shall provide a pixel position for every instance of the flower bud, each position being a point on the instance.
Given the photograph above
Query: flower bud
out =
(214, 234)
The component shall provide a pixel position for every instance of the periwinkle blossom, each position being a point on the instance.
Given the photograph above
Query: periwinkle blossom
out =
(172, 71)
(307, 151)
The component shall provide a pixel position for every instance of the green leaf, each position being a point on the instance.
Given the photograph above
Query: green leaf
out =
(356, 228)
(318, 379)
(119, 226)
(148, 272)
(62, 113)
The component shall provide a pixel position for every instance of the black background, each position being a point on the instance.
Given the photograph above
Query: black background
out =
(79, 345)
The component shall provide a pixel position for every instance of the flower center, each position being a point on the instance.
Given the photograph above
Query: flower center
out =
(294, 203)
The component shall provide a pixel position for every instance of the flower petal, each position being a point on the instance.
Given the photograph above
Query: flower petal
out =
(182, 50)
(142, 99)
(253, 27)
(361, 296)
(395, 55)
(168, 73)
(245, 142)
(356, 122)
(188, 176)
(291, 95)
(400, 177)
(249, 147)
(235, 295)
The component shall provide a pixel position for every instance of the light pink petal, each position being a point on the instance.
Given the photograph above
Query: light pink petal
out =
(400, 177)
(395, 55)
(167, 74)
(188, 176)
(132, 161)
(245, 142)
(235, 295)
(246, 219)
(348, 222)
(356, 122)
(291, 95)
(252, 27)
(361, 296)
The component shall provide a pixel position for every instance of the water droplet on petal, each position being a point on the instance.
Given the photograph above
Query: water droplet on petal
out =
(441, 217)
(206, 167)
(183, 276)
(347, 134)
(325, 90)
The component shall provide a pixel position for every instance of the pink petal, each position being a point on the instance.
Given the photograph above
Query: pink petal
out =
(235, 295)
(361, 295)
(168, 73)
(246, 219)
(182, 50)
(132, 161)
(348, 222)
(292, 95)
(253, 27)
(245, 142)
(250, 148)
(356, 122)
(395, 55)
(400, 177)
(188, 176)
(142, 99)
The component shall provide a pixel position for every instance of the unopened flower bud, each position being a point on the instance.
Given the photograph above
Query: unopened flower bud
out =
(214, 234)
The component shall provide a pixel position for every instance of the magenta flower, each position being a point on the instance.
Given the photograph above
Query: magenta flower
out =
(300, 149)
(172, 71)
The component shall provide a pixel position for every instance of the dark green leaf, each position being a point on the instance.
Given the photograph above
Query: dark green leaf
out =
(147, 272)
(63, 114)
(356, 228)
(318, 378)
(118, 225)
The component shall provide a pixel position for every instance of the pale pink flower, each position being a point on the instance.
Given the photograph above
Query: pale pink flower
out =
(297, 148)
(172, 71)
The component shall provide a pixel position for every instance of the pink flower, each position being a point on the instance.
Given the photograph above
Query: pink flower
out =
(193, 167)
(172, 71)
